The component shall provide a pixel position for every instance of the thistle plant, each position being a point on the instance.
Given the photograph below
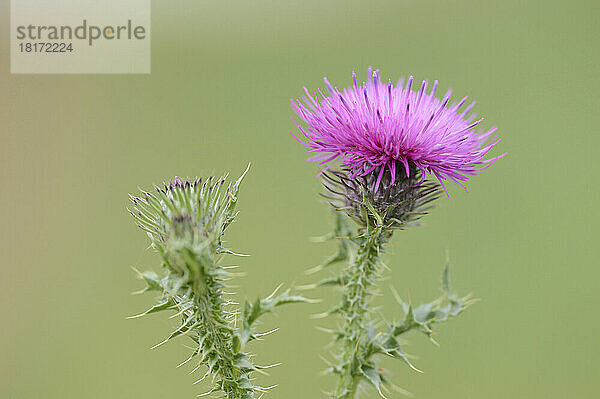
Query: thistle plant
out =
(185, 221)
(388, 139)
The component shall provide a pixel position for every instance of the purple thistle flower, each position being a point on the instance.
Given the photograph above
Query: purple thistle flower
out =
(376, 127)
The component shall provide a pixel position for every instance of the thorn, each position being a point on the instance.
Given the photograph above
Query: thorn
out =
(201, 379)
(329, 345)
(139, 273)
(230, 252)
(274, 292)
(471, 301)
(265, 389)
(314, 270)
(396, 295)
(262, 372)
(245, 171)
(179, 313)
(414, 368)
(185, 361)
(160, 343)
(260, 335)
(386, 267)
(323, 238)
(196, 369)
(306, 287)
(136, 316)
(325, 360)
(205, 393)
(269, 366)
(401, 390)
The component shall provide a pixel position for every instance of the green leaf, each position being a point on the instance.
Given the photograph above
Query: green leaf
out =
(252, 311)
(284, 299)
(164, 304)
(441, 309)
(372, 375)
(153, 281)
(242, 362)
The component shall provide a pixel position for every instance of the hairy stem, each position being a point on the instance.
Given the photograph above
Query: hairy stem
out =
(235, 381)
(360, 276)
(197, 292)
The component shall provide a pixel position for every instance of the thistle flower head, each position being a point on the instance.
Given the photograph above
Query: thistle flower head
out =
(374, 126)
(193, 210)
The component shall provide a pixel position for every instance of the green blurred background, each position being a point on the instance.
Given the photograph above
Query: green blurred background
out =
(522, 239)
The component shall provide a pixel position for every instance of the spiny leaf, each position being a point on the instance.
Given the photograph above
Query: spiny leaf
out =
(441, 309)
(253, 310)
(340, 280)
(372, 375)
(243, 362)
(283, 299)
(342, 232)
(164, 304)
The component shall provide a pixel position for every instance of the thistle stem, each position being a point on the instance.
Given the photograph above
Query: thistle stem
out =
(202, 295)
(234, 380)
(361, 275)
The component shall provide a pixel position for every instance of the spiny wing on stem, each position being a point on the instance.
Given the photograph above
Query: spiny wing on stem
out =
(419, 319)
(343, 234)
(422, 317)
(253, 310)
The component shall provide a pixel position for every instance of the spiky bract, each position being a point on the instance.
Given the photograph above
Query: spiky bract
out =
(400, 201)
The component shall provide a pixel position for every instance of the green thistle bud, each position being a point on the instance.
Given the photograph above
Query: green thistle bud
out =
(185, 221)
